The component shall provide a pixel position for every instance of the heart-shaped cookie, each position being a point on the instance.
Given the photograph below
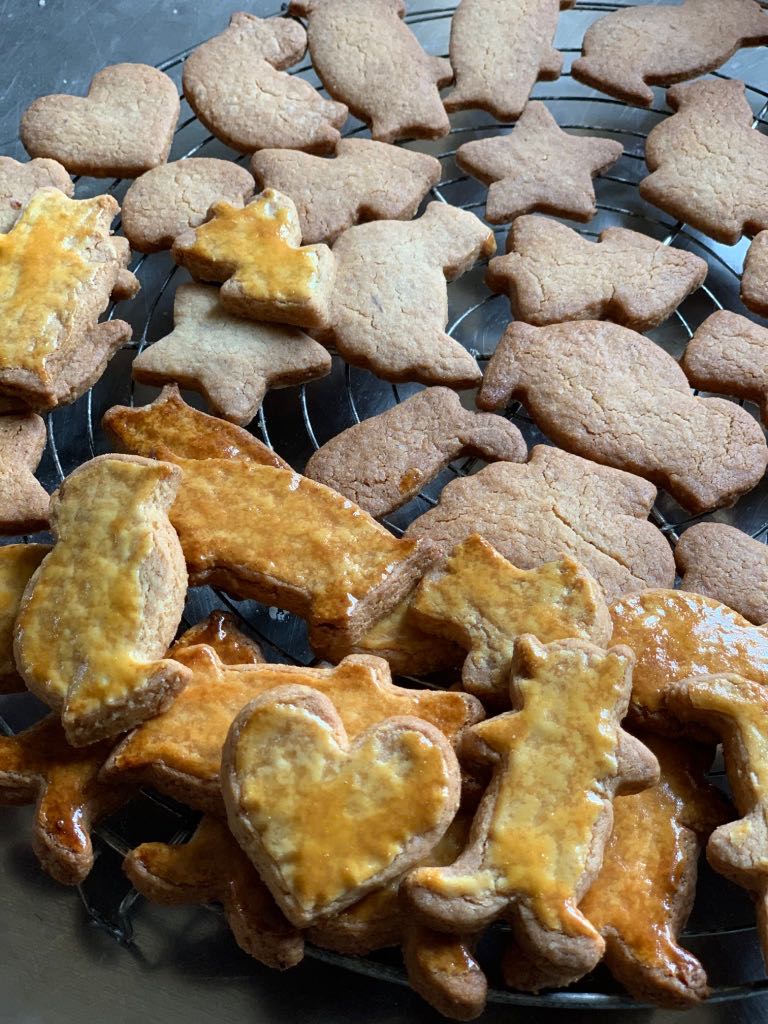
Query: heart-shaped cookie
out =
(122, 128)
(325, 822)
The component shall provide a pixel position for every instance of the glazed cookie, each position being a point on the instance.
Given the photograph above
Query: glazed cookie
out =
(221, 632)
(23, 501)
(723, 563)
(98, 615)
(538, 837)
(754, 282)
(390, 304)
(256, 251)
(385, 461)
(611, 395)
(364, 181)
(283, 537)
(729, 354)
(324, 819)
(17, 563)
(499, 50)
(236, 85)
(557, 505)
(231, 361)
(551, 274)
(175, 197)
(369, 59)
(52, 348)
(122, 128)
(538, 167)
(19, 180)
(687, 154)
(627, 50)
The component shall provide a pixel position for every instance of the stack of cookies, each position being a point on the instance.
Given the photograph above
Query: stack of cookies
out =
(556, 779)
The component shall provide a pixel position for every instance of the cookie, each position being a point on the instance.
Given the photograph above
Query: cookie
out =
(482, 602)
(122, 128)
(286, 540)
(729, 354)
(628, 50)
(538, 167)
(39, 766)
(23, 501)
(383, 462)
(676, 634)
(175, 197)
(754, 282)
(556, 505)
(256, 251)
(499, 50)
(390, 303)
(52, 348)
(17, 563)
(179, 751)
(710, 136)
(538, 837)
(19, 180)
(236, 85)
(369, 59)
(727, 565)
(325, 819)
(443, 970)
(551, 274)
(231, 361)
(364, 181)
(221, 632)
(611, 395)
(212, 867)
(99, 613)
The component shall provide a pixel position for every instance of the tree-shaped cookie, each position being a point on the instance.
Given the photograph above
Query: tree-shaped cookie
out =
(23, 501)
(364, 181)
(385, 461)
(237, 86)
(709, 166)
(609, 394)
(538, 836)
(390, 302)
(754, 282)
(232, 361)
(538, 167)
(556, 505)
(499, 50)
(17, 563)
(552, 274)
(369, 59)
(256, 251)
(19, 180)
(727, 565)
(628, 50)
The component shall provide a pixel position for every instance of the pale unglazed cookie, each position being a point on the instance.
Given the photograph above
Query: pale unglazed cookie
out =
(364, 181)
(19, 180)
(729, 354)
(724, 563)
(256, 251)
(709, 166)
(120, 129)
(231, 361)
(754, 281)
(499, 50)
(611, 395)
(390, 303)
(17, 563)
(628, 50)
(538, 167)
(385, 461)
(369, 59)
(236, 85)
(556, 505)
(52, 348)
(551, 273)
(23, 501)
(174, 197)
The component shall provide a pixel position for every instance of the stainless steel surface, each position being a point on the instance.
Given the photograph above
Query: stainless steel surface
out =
(111, 957)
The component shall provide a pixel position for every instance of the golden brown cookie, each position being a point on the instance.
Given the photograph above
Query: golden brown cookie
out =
(23, 501)
(17, 563)
(221, 632)
(726, 564)
(19, 180)
(754, 282)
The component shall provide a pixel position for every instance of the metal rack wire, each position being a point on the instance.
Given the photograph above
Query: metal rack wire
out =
(298, 421)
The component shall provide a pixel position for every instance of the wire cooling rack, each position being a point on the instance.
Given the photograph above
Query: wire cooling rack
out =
(297, 421)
